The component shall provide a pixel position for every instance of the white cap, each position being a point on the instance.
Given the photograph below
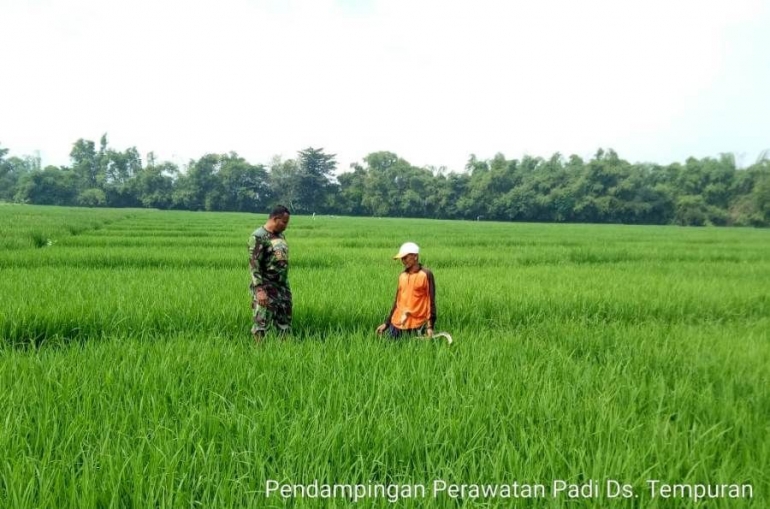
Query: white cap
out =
(407, 248)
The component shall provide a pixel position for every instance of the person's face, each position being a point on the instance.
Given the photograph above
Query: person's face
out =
(281, 223)
(409, 261)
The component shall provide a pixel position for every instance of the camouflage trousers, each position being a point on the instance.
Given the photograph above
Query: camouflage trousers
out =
(277, 313)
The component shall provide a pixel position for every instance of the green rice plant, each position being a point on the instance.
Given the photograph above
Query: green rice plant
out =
(38, 239)
(146, 420)
(582, 353)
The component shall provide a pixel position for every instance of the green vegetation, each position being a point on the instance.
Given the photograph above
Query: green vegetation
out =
(582, 352)
(604, 189)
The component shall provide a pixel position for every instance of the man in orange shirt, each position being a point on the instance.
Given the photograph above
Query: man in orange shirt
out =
(414, 310)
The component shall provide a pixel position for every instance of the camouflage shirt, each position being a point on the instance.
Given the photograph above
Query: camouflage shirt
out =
(269, 261)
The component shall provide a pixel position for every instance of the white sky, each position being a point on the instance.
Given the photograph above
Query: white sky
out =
(433, 81)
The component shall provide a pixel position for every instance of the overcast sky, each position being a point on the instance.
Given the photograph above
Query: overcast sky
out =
(433, 81)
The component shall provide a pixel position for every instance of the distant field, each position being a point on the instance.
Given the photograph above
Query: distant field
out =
(582, 353)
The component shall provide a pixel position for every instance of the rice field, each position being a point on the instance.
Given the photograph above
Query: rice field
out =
(615, 366)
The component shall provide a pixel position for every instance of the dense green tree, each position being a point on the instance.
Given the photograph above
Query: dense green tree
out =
(474, 204)
(92, 198)
(284, 182)
(51, 186)
(447, 193)
(384, 183)
(154, 185)
(241, 187)
(692, 210)
(86, 165)
(606, 188)
(352, 189)
(11, 171)
(121, 170)
(315, 180)
(761, 195)
(379, 194)
(199, 188)
(8, 178)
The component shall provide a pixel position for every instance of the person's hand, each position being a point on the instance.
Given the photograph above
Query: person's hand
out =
(429, 332)
(382, 328)
(262, 298)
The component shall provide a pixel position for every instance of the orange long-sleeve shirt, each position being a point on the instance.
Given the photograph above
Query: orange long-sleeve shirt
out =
(415, 299)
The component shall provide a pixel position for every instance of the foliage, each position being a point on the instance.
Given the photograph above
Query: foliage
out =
(603, 189)
(92, 198)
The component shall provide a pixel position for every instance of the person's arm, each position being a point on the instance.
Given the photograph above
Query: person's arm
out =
(256, 250)
(392, 310)
(432, 297)
(384, 325)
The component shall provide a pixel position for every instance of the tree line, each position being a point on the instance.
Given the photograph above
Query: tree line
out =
(603, 189)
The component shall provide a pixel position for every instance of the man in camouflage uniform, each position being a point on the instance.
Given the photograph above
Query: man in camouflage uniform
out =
(269, 263)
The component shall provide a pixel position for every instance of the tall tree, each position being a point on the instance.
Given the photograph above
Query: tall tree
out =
(315, 179)
(199, 188)
(243, 186)
(121, 170)
(384, 183)
(12, 169)
(154, 185)
(284, 181)
(352, 189)
(86, 165)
